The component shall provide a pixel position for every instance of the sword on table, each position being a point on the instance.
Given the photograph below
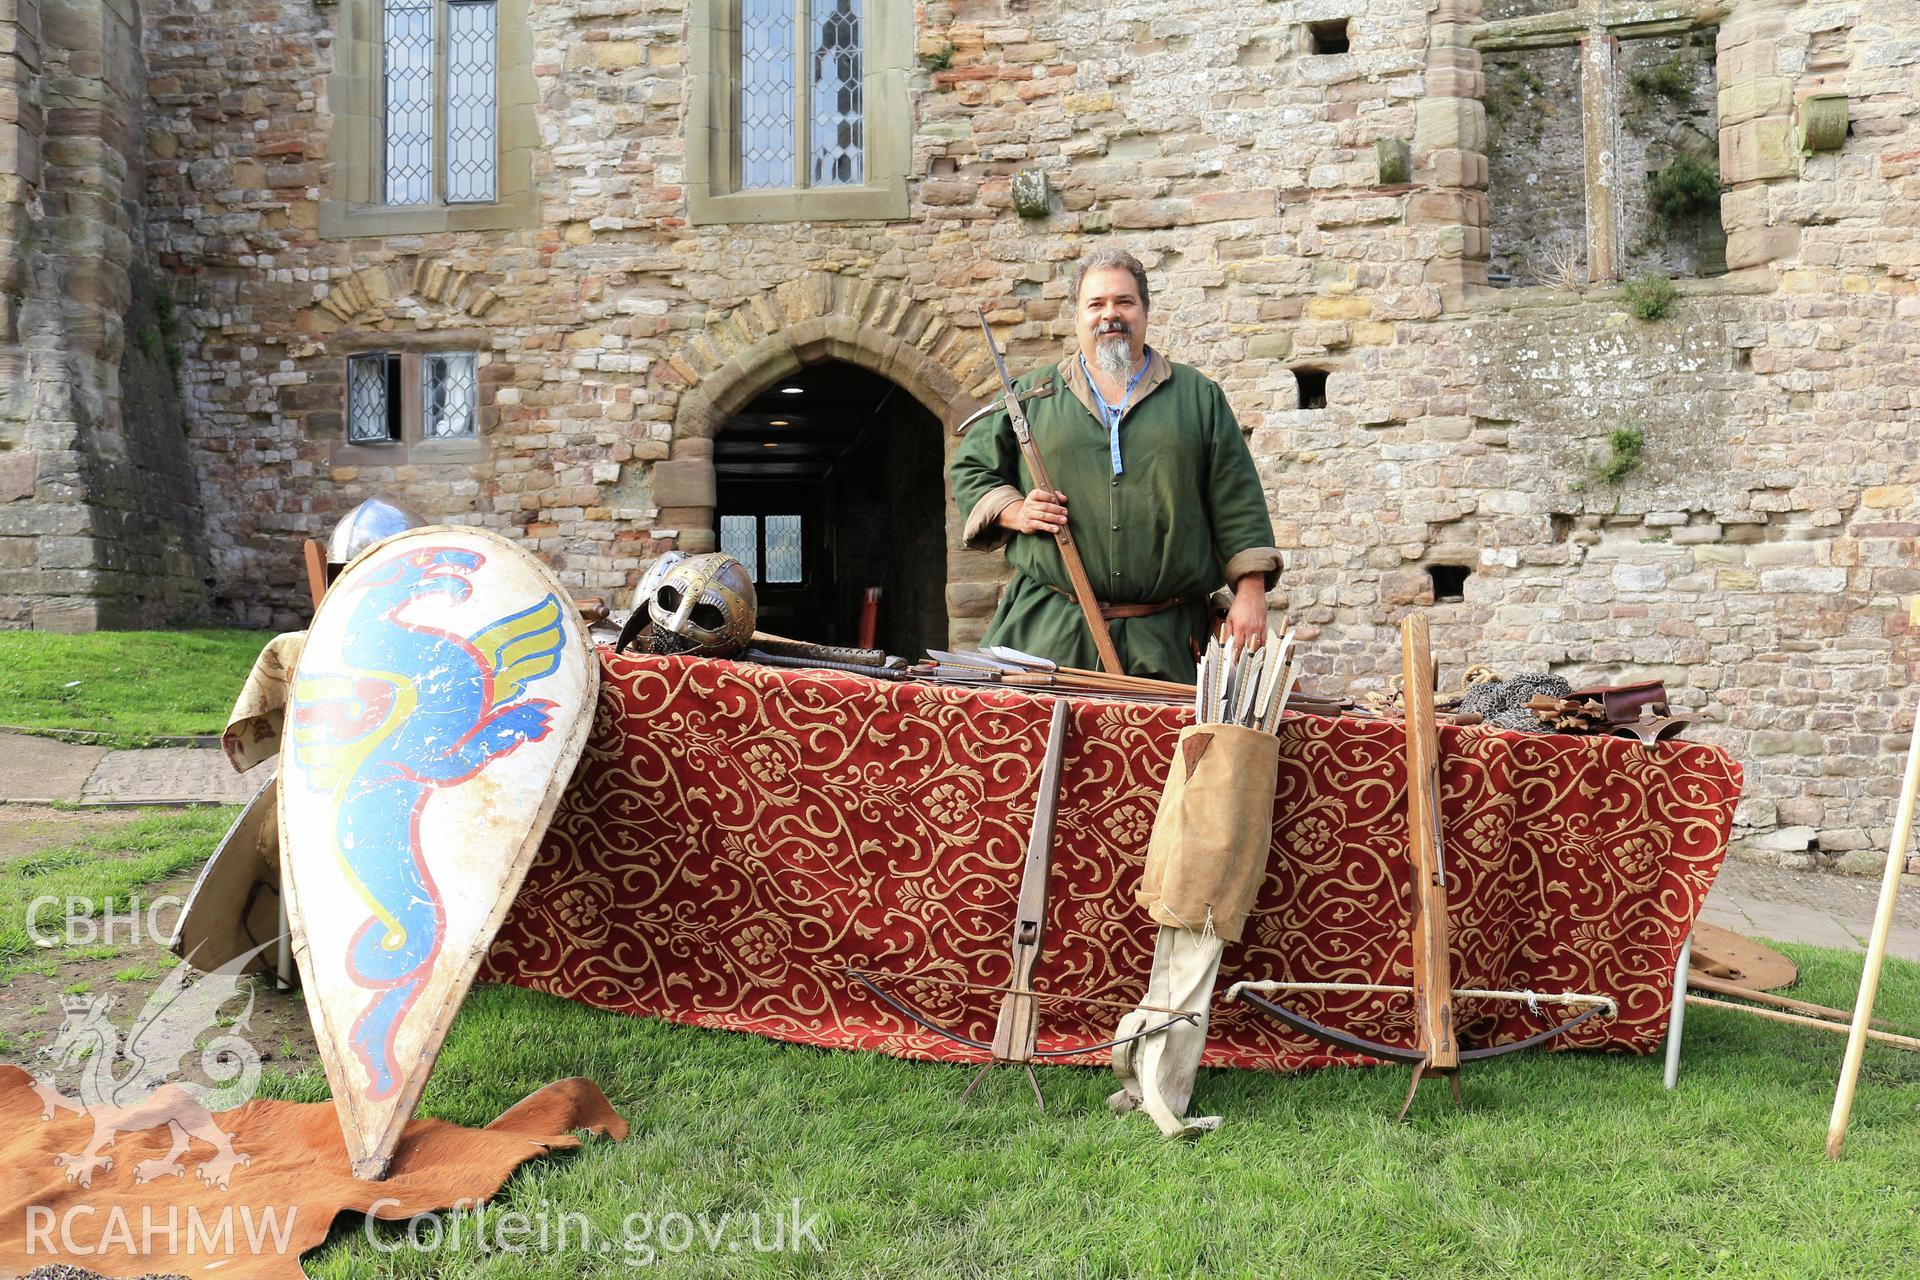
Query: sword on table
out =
(1037, 467)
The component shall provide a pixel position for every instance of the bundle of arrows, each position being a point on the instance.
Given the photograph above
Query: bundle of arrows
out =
(996, 664)
(1247, 689)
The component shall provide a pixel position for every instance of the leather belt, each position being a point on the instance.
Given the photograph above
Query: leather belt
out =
(1112, 611)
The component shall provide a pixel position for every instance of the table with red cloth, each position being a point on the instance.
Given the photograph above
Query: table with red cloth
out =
(737, 836)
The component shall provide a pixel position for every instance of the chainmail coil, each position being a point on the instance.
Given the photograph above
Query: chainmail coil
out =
(1503, 703)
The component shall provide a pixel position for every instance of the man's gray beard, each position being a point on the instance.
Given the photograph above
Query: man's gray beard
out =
(1113, 355)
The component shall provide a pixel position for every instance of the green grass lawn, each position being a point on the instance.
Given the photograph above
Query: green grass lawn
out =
(110, 864)
(1562, 1165)
(130, 685)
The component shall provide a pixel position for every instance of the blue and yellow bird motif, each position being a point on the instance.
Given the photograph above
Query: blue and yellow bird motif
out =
(416, 709)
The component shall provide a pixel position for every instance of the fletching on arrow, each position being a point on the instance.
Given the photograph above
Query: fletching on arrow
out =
(1250, 686)
(1227, 671)
(1281, 665)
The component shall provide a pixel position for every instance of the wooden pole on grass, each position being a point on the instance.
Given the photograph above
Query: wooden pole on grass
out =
(1877, 943)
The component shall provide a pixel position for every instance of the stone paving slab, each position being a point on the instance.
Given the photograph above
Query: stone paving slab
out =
(45, 769)
(1816, 907)
(167, 775)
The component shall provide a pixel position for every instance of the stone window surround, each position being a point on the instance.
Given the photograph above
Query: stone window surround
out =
(413, 448)
(713, 194)
(1595, 28)
(350, 207)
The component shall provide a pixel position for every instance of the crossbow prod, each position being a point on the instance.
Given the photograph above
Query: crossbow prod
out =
(1437, 1052)
(1017, 1027)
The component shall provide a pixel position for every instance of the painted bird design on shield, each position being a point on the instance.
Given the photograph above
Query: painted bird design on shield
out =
(418, 709)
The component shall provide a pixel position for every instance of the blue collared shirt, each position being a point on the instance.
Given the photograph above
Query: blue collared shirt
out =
(1113, 413)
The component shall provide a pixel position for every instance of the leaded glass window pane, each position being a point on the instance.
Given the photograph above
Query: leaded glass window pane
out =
(783, 549)
(767, 105)
(372, 415)
(470, 99)
(449, 396)
(408, 77)
(739, 538)
(837, 101)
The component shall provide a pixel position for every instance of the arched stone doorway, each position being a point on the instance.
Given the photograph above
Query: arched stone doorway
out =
(828, 486)
(830, 322)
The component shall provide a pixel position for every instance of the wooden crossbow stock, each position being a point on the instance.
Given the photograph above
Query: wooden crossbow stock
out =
(1436, 1052)
(1017, 1027)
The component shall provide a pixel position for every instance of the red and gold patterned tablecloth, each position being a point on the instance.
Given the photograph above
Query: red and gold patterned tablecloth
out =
(736, 836)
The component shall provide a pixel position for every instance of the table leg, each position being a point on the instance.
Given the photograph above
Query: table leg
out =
(1677, 1020)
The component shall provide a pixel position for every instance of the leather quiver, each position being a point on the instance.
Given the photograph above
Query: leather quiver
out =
(1208, 852)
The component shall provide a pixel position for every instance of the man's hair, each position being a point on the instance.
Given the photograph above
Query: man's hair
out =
(1103, 259)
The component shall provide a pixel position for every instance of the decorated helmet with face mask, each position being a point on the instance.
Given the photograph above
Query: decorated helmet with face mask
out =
(700, 604)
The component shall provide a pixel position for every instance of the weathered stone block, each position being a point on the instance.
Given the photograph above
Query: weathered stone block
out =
(972, 599)
(1765, 244)
(1455, 168)
(1087, 104)
(1030, 193)
(71, 553)
(1813, 580)
(1786, 840)
(1441, 124)
(1151, 214)
(18, 468)
(1270, 346)
(1823, 122)
(1395, 158)
(1345, 307)
(683, 484)
(1745, 208)
(1639, 577)
(1758, 149)
(1862, 861)
(1447, 208)
(1404, 587)
(1741, 101)
(66, 614)
(1218, 206)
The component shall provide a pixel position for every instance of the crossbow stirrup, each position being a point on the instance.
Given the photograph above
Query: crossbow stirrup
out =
(1436, 1052)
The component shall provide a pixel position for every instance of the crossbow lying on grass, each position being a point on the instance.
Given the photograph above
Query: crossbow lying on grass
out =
(1436, 1051)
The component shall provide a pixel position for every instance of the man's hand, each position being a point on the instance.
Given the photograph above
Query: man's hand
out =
(1247, 619)
(1041, 511)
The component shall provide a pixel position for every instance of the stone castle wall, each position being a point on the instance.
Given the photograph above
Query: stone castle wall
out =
(1756, 557)
(100, 522)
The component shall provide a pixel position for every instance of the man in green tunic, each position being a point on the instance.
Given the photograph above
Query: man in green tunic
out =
(1151, 474)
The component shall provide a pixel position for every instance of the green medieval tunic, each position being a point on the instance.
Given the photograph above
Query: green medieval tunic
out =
(1184, 516)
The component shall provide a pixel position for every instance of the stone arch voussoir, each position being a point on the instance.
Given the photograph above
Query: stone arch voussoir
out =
(367, 294)
(818, 317)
